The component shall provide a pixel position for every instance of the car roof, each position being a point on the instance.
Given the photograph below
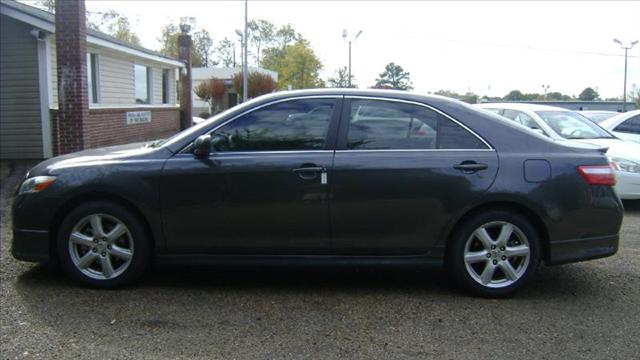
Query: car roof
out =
(405, 95)
(521, 106)
(614, 120)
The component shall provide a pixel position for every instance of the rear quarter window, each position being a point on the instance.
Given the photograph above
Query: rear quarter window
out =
(631, 125)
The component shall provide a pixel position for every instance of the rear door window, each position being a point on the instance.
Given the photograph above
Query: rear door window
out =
(382, 124)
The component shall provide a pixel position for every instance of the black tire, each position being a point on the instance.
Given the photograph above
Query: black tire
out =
(457, 266)
(137, 235)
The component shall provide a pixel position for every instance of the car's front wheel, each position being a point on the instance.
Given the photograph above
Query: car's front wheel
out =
(103, 244)
(494, 253)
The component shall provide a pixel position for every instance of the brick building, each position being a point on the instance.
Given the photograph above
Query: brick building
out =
(65, 88)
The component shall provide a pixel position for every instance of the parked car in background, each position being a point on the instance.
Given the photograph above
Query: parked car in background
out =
(457, 187)
(598, 116)
(567, 125)
(626, 126)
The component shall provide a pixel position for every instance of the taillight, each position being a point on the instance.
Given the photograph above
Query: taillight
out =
(598, 174)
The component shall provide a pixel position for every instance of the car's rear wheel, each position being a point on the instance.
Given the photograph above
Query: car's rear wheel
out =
(103, 244)
(494, 253)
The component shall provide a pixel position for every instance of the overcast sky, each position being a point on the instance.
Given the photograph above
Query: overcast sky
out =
(486, 47)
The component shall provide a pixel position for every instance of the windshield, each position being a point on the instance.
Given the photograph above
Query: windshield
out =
(571, 125)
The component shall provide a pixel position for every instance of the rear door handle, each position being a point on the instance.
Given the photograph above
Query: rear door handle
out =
(309, 173)
(470, 166)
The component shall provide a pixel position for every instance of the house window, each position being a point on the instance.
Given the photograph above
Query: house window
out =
(143, 84)
(165, 86)
(92, 78)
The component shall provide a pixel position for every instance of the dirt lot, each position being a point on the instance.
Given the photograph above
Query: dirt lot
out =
(585, 310)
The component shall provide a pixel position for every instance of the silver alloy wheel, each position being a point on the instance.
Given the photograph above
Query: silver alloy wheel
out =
(101, 246)
(497, 254)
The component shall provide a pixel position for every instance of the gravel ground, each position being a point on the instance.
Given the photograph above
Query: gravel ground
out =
(584, 310)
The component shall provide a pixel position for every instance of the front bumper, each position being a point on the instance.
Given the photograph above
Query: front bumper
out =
(30, 245)
(567, 251)
(628, 185)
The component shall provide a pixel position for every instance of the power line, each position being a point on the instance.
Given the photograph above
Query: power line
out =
(581, 52)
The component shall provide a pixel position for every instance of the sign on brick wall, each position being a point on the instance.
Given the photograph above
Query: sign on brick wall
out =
(138, 117)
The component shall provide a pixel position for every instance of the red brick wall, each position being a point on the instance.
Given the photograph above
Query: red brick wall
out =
(106, 127)
(71, 56)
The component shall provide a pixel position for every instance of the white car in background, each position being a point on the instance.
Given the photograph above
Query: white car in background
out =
(626, 126)
(598, 116)
(567, 125)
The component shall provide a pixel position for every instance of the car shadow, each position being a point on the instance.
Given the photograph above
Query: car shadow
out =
(631, 206)
(549, 282)
(253, 278)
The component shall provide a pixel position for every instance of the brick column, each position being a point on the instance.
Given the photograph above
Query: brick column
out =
(71, 55)
(184, 46)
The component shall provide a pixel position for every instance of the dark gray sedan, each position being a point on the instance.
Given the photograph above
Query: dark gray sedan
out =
(342, 177)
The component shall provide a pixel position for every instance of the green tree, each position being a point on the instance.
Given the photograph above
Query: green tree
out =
(340, 79)
(589, 94)
(47, 5)
(285, 36)
(113, 23)
(394, 77)
(297, 65)
(261, 34)
(202, 44)
(110, 22)
(225, 52)
(468, 97)
(555, 95)
(515, 95)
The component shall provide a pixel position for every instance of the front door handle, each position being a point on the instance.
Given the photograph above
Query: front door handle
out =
(309, 173)
(470, 166)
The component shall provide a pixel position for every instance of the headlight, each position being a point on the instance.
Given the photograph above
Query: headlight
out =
(36, 184)
(625, 165)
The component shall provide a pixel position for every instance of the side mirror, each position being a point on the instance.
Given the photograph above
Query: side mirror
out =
(202, 146)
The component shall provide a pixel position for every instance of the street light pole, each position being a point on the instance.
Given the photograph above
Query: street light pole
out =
(624, 91)
(344, 36)
(545, 87)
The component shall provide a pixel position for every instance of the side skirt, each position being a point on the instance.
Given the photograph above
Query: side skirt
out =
(299, 260)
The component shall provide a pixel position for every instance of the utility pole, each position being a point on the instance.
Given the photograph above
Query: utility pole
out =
(624, 91)
(245, 66)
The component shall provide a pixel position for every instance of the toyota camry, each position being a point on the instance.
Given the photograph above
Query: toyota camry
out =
(342, 177)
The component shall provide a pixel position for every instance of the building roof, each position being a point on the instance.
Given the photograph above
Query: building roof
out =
(202, 73)
(46, 21)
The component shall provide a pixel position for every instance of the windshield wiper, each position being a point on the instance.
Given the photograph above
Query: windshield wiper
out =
(155, 143)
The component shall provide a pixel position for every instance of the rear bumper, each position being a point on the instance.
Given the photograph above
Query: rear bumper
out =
(567, 251)
(30, 245)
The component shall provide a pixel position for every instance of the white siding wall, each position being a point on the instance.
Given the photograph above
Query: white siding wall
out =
(156, 85)
(116, 78)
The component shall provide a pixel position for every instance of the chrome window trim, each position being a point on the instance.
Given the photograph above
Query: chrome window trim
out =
(413, 150)
(489, 147)
(265, 105)
(269, 152)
